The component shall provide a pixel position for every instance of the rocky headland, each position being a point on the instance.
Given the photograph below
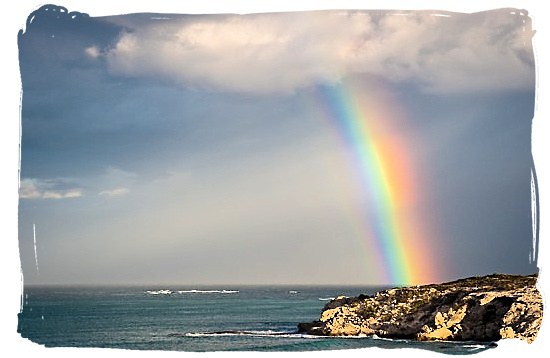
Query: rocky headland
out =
(484, 309)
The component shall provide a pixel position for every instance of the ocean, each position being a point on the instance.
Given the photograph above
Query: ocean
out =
(195, 319)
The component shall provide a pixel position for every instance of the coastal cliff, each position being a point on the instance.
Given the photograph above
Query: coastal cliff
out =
(485, 308)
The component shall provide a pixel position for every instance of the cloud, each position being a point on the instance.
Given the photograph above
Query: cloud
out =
(32, 188)
(283, 52)
(112, 182)
(92, 51)
(115, 192)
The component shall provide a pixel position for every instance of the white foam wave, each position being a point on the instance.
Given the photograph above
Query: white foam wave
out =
(169, 292)
(159, 292)
(465, 344)
(326, 298)
(374, 336)
(209, 291)
(265, 333)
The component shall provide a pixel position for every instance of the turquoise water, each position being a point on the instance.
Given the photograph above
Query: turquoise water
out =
(198, 319)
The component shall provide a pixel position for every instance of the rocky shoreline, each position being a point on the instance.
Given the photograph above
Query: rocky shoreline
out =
(482, 309)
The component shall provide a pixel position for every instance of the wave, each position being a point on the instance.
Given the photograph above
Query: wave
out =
(159, 292)
(266, 333)
(169, 292)
(473, 345)
(326, 298)
(470, 347)
(209, 291)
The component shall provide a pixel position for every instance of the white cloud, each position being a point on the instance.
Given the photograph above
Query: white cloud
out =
(92, 51)
(32, 188)
(112, 182)
(115, 192)
(286, 51)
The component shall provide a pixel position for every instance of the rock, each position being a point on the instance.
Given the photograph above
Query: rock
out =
(314, 328)
(457, 316)
(438, 334)
(485, 308)
(439, 320)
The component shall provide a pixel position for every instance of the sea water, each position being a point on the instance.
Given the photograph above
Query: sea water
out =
(196, 319)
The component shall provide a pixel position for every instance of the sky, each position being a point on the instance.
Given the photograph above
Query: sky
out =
(13, 276)
(224, 149)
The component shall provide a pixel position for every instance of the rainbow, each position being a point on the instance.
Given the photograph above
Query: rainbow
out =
(385, 219)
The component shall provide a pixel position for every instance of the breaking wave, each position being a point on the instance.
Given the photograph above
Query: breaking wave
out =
(169, 292)
(209, 291)
(266, 333)
(159, 292)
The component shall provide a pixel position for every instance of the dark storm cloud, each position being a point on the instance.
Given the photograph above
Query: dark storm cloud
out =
(59, 79)
(78, 117)
(54, 42)
(479, 167)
